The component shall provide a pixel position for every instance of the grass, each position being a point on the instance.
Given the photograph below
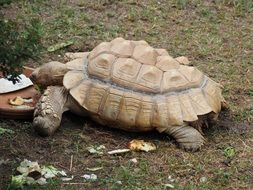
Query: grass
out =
(217, 37)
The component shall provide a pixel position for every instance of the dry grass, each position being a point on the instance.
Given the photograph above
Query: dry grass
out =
(217, 36)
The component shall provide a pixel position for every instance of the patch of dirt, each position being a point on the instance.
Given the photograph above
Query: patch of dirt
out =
(77, 134)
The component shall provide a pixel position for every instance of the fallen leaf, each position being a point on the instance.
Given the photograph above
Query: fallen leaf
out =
(29, 180)
(32, 173)
(41, 181)
(96, 150)
(60, 46)
(28, 166)
(92, 177)
(17, 182)
(49, 171)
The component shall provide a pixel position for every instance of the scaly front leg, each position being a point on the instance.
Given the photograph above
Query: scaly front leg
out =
(188, 137)
(49, 110)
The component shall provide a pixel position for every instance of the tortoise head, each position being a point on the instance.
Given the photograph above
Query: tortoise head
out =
(49, 74)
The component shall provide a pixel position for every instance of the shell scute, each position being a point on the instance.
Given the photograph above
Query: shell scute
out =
(123, 48)
(76, 64)
(129, 109)
(126, 69)
(95, 97)
(192, 74)
(112, 105)
(101, 66)
(173, 80)
(80, 92)
(213, 95)
(188, 111)
(145, 113)
(150, 78)
(167, 63)
(174, 110)
(162, 52)
(72, 78)
(145, 54)
(199, 102)
(140, 42)
(101, 48)
(160, 114)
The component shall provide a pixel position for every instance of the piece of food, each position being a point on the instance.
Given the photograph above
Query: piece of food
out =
(141, 145)
(17, 101)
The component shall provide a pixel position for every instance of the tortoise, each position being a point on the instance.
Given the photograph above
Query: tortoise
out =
(132, 86)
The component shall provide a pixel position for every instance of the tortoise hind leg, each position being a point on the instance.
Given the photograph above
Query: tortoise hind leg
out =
(188, 137)
(49, 110)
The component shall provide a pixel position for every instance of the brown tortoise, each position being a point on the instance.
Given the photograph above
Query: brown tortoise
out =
(132, 86)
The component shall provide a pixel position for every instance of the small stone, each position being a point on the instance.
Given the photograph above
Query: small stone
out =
(203, 179)
(170, 178)
(55, 115)
(134, 160)
(119, 182)
(48, 106)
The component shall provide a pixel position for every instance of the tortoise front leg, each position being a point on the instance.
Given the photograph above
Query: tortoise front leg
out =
(188, 137)
(49, 110)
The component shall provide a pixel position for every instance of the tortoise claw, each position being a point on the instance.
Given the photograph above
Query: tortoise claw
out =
(191, 147)
(41, 126)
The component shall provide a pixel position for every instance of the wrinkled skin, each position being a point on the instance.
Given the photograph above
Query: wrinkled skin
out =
(50, 74)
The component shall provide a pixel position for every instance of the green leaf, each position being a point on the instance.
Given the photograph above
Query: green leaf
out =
(17, 182)
(60, 46)
(18, 43)
(3, 130)
(229, 152)
(250, 91)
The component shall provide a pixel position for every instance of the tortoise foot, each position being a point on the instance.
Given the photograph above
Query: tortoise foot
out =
(48, 111)
(187, 137)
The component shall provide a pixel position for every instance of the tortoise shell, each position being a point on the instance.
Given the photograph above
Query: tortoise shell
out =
(139, 87)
